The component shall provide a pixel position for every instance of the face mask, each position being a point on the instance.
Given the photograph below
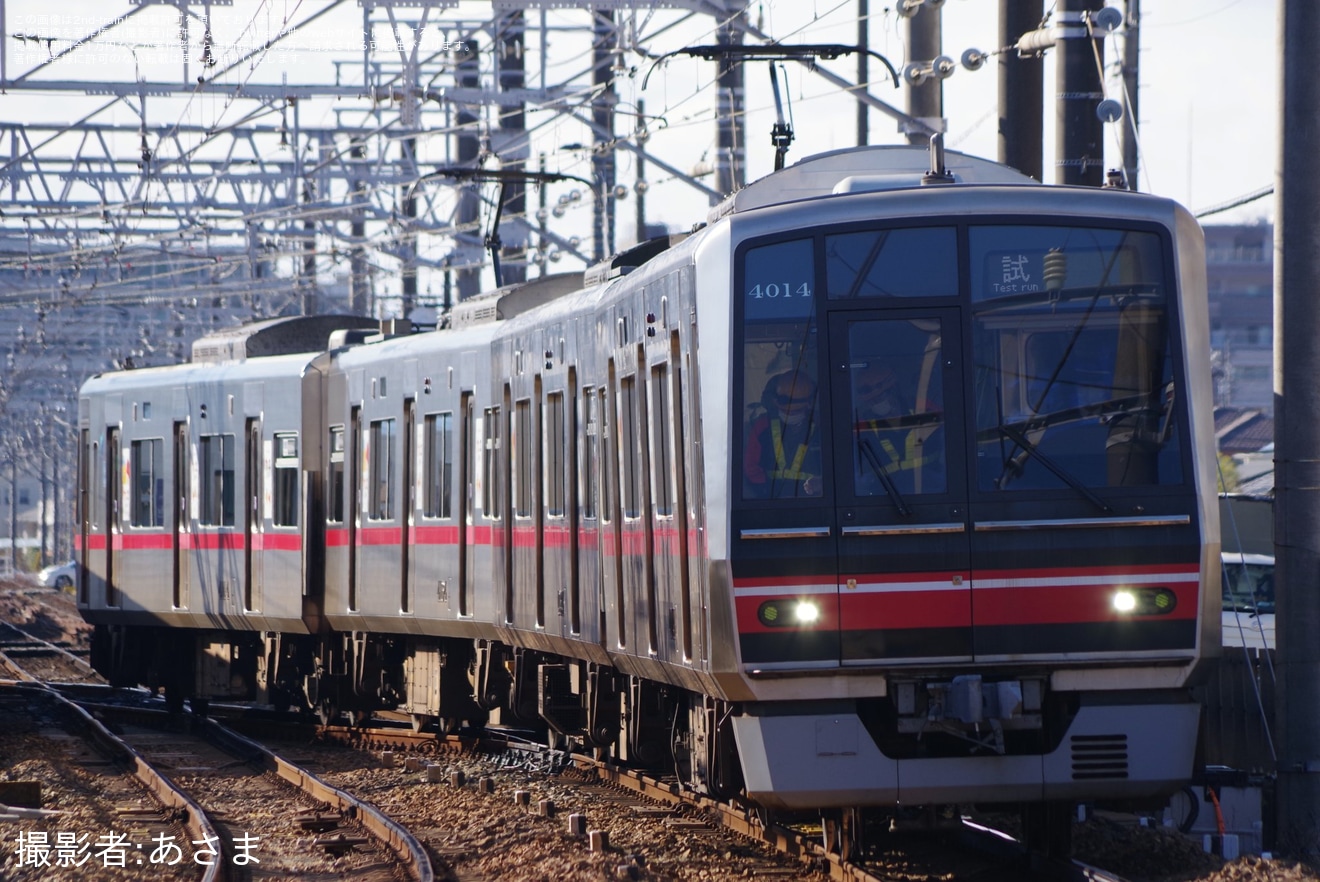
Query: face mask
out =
(795, 417)
(882, 407)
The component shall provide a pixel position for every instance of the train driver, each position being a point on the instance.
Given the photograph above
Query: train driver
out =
(895, 443)
(782, 458)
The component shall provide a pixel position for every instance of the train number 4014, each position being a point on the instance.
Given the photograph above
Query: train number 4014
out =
(773, 290)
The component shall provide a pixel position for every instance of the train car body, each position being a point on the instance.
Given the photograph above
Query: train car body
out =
(882, 488)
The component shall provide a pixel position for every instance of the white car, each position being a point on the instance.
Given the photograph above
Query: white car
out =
(60, 576)
(1248, 582)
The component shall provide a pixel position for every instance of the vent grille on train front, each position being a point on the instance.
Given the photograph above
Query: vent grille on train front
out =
(1099, 757)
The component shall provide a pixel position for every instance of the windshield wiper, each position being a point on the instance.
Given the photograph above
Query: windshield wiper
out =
(873, 460)
(1059, 472)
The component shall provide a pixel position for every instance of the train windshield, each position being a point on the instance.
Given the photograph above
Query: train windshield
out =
(783, 428)
(1071, 381)
(1073, 373)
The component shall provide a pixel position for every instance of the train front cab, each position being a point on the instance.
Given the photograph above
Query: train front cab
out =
(995, 581)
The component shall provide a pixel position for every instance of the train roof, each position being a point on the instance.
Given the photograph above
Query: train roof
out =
(511, 300)
(862, 169)
(279, 336)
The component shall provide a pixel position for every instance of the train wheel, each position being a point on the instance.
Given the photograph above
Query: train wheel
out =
(359, 718)
(1047, 828)
(327, 711)
(173, 700)
(419, 721)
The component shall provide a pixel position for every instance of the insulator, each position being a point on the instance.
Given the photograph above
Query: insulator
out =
(1056, 269)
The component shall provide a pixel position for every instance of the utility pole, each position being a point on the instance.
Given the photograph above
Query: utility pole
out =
(1297, 431)
(1021, 91)
(604, 41)
(1080, 133)
(1131, 66)
(863, 69)
(468, 215)
(925, 99)
(730, 160)
(358, 290)
(512, 146)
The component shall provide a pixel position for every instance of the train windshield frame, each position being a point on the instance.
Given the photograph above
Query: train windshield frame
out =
(1065, 360)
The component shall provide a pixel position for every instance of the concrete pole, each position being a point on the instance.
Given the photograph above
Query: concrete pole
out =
(512, 146)
(640, 189)
(358, 290)
(468, 215)
(1021, 91)
(863, 69)
(731, 140)
(1079, 133)
(605, 40)
(926, 101)
(1131, 67)
(1297, 431)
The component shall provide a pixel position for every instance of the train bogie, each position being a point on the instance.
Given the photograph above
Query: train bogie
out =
(893, 494)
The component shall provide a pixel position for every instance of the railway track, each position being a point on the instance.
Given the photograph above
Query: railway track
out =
(652, 827)
(113, 814)
(31, 658)
(430, 784)
(272, 818)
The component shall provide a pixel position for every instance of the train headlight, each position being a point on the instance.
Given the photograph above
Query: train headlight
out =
(1144, 601)
(789, 613)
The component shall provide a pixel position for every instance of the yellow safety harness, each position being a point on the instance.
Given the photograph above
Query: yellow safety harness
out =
(909, 461)
(786, 472)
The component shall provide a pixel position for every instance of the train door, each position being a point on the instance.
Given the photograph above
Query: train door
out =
(904, 585)
(85, 459)
(353, 517)
(179, 518)
(114, 486)
(467, 493)
(409, 515)
(251, 512)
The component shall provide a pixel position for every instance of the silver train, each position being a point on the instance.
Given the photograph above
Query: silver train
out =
(886, 486)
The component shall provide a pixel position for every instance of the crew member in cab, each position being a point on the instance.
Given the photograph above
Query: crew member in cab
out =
(898, 445)
(782, 456)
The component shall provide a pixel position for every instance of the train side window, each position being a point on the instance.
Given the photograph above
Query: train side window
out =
(555, 462)
(590, 453)
(216, 453)
(438, 456)
(878, 263)
(492, 492)
(284, 493)
(662, 454)
(335, 510)
(524, 467)
(608, 473)
(380, 483)
(631, 479)
(147, 474)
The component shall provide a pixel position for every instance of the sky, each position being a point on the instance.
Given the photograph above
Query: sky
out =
(1208, 101)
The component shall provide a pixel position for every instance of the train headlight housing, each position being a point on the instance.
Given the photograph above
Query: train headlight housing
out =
(1143, 601)
(789, 613)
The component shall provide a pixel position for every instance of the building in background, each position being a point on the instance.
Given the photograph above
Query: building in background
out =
(1240, 273)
